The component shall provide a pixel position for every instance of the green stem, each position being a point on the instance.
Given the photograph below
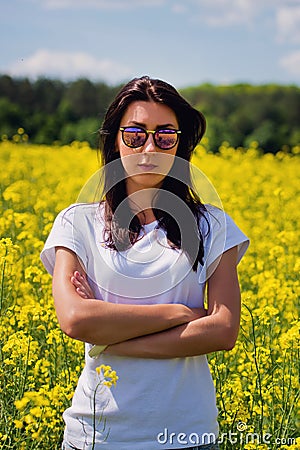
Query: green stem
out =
(2, 283)
(258, 373)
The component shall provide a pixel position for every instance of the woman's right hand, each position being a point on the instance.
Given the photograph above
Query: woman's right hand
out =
(81, 285)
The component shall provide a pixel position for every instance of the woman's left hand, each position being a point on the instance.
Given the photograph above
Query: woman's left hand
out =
(81, 285)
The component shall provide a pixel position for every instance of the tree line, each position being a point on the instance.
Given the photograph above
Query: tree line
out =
(56, 111)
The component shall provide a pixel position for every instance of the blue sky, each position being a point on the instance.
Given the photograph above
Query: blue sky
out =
(185, 42)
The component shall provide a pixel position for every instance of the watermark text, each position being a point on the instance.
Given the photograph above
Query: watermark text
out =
(239, 437)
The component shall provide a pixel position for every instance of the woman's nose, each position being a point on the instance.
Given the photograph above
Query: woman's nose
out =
(149, 144)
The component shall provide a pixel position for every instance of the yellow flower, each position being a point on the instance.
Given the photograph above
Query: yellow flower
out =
(110, 377)
(21, 404)
(18, 423)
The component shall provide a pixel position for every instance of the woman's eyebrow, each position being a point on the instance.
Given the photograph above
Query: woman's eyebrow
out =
(158, 127)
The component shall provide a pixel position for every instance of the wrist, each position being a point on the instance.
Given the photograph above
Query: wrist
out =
(187, 314)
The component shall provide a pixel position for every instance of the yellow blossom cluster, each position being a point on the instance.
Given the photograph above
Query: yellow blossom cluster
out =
(110, 377)
(257, 383)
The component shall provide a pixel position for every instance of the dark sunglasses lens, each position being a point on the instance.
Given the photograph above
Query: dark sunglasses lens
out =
(134, 137)
(166, 139)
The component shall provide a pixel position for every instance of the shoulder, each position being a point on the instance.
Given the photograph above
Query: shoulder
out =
(213, 212)
(79, 218)
(71, 229)
(212, 218)
(218, 219)
(221, 233)
(82, 208)
(79, 211)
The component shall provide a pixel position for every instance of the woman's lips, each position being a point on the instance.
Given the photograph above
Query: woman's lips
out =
(147, 167)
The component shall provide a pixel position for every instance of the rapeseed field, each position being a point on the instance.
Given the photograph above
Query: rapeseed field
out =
(257, 382)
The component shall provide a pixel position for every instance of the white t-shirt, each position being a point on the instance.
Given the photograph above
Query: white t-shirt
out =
(156, 404)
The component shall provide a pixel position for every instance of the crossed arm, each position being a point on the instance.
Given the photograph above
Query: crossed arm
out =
(148, 331)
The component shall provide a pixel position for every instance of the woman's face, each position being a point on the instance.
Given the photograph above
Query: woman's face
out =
(147, 165)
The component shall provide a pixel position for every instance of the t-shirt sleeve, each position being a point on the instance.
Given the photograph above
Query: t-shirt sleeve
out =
(221, 235)
(65, 232)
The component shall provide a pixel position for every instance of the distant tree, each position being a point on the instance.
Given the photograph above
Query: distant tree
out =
(84, 130)
(242, 113)
(65, 112)
(265, 135)
(105, 94)
(41, 128)
(51, 110)
(26, 95)
(8, 88)
(81, 96)
(10, 117)
(48, 95)
(295, 137)
(215, 132)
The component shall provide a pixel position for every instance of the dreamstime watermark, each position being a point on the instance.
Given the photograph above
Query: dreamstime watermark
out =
(240, 436)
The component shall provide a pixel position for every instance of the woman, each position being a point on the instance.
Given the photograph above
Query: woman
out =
(129, 279)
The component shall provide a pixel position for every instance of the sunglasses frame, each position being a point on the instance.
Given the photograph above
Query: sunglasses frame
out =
(153, 132)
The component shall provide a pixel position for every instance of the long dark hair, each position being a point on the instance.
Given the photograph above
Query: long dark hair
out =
(121, 229)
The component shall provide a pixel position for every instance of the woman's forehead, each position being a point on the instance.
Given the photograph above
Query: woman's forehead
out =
(147, 112)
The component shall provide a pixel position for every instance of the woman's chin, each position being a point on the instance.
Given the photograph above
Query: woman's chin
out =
(145, 180)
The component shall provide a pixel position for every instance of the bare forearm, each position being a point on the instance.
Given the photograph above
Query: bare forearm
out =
(100, 322)
(201, 336)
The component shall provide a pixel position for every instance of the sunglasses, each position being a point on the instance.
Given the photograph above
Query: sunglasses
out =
(135, 137)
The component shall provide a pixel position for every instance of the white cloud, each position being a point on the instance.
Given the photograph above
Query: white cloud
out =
(291, 63)
(288, 24)
(69, 66)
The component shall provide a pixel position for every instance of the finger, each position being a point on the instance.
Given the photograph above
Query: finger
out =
(80, 281)
(82, 287)
(85, 285)
(81, 293)
(79, 276)
(75, 282)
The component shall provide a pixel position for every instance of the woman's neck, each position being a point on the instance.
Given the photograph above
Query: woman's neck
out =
(146, 216)
(141, 204)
